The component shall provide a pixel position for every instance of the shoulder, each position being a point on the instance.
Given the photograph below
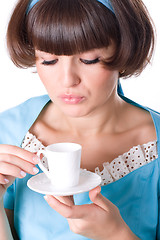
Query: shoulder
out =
(30, 107)
(16, 121)
(29, 103)
(142, 118)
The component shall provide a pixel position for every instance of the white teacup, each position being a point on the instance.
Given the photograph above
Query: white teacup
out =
(63, 162)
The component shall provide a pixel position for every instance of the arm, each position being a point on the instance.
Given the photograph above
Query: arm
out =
(10, 216)
(5, 233)
(14, 162)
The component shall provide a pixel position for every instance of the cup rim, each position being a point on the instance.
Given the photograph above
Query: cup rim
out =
(70, 147)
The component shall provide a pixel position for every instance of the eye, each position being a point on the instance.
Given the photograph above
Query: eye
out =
(52, 62)
(89, 61)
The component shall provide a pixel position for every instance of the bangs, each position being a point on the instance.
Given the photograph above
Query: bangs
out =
(71, 26)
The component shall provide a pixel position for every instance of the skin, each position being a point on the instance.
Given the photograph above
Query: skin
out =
(14, 163)
(101, 106)
(74, 76)
(96, 115)
(83, 219)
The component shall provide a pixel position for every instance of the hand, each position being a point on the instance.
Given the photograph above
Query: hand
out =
(100, 220)
(15, 162)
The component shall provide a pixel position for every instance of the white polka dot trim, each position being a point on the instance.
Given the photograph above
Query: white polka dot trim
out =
(135, 158)
(31, 143)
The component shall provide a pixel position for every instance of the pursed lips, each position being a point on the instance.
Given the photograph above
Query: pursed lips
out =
(71, 98)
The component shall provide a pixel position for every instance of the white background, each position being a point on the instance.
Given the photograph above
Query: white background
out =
(17, 85)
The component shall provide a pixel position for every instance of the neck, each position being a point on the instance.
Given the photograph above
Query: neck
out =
(105, 119)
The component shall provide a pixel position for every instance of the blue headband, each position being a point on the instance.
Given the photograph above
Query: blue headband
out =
(104, 2)
(30, 6)
(107, 4)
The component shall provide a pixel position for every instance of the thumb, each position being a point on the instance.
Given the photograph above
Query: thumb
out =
(97, 198)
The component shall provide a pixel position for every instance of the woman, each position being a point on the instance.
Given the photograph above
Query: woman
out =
(80, 49)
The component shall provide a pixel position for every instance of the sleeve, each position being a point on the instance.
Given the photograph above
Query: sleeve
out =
(9, 198)
(158, 228)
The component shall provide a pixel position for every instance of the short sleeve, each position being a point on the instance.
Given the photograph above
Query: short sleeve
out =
(9, 198)
(158, 227)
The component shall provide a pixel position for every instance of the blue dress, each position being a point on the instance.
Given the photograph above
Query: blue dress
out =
(137, 195)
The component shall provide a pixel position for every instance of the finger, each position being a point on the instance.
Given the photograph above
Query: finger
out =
(11, 170)
(16, 171)
(68, 200)
(19, 152)
(3, 179)
(58, 206)
(6, 180)
(98, 199)
(20, 163)
(72, 212)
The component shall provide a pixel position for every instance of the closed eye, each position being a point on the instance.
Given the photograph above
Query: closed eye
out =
(52, 62)
(89, 61)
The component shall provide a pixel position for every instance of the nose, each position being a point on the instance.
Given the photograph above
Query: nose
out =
(70, 76)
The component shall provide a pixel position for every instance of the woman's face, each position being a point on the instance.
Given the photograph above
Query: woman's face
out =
(79, 85)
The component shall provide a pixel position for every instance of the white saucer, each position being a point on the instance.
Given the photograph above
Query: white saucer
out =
(41, 184)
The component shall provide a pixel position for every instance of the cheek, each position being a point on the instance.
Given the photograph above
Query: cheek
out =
(44, 76)
(105, 82)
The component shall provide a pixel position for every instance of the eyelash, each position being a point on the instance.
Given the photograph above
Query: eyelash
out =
(52, 62)
(90, 61)
(87, 62)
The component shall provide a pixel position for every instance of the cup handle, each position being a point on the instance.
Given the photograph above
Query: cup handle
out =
(40, 163)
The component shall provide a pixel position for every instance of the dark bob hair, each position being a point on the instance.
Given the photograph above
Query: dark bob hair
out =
(67, 27)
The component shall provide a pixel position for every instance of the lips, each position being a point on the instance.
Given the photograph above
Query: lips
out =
(71, 99)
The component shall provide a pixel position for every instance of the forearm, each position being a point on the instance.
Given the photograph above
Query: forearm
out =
(5, 231)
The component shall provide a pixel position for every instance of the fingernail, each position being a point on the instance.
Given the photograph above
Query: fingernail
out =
(35, 170)
(23, 174)
(6, 180)
(45, 197)
(98, 189)
(36, 159)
